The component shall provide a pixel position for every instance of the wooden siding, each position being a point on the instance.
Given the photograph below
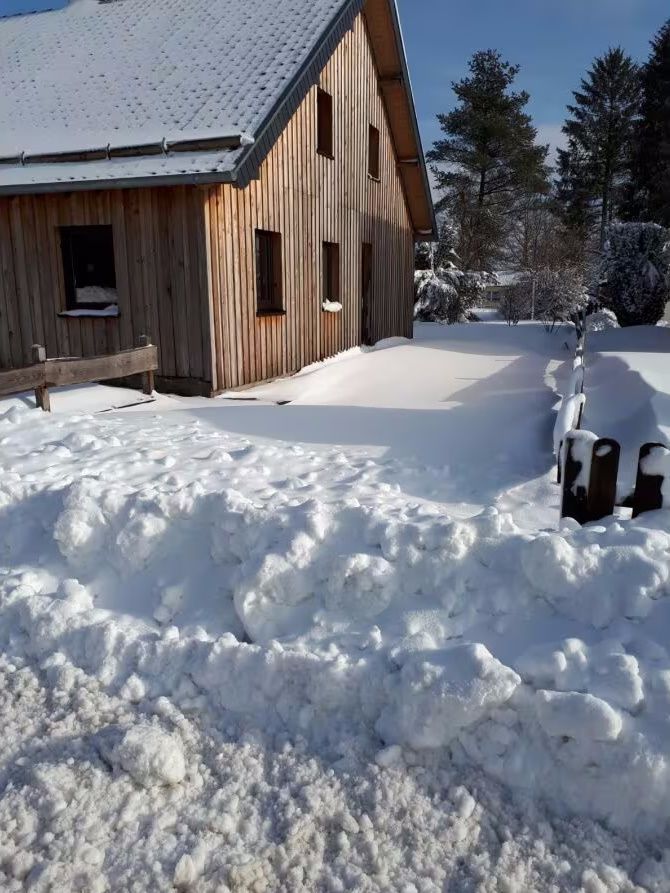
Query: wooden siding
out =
(311, 199)
(161, 271)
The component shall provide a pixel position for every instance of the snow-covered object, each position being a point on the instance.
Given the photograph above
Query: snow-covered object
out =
(111, 311)
(446, 294)
(601, 321)
(636, 273)
(164, 70)
(152, 756)
(657, 464)
(439, 694)
(567, 419)
(332, 306)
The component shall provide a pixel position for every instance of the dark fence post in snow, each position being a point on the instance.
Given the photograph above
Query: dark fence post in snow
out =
(574, 503)
(648, 496)
(601, 497)
(42, 398)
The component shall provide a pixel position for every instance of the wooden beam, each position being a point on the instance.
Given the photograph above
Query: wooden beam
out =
(120, 365)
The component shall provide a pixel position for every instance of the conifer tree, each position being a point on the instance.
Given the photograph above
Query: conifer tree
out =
(600, 130)
(649, 197)
(488, 159)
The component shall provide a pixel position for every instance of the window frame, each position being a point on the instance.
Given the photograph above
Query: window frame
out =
(374, 157)
(330, 273)
(274, 272)
(325, 143)
(68, 236)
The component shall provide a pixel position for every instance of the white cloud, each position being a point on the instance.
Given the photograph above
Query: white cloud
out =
(553, 136)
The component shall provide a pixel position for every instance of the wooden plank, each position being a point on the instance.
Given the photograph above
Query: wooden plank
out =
(27, 378)
(121, 365)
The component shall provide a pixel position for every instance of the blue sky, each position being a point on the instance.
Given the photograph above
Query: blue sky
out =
(554, 41)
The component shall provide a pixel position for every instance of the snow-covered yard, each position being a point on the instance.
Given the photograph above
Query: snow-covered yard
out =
(628, 390)
(325, 634)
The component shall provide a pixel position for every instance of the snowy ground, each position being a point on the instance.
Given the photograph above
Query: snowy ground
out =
(628, 390)
(336, 644)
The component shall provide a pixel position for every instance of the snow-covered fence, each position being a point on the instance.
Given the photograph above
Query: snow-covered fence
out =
(572, 406)
(44, 373)
(590, 475)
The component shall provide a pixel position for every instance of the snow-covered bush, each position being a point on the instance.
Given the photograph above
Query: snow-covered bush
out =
(447, 294)
(549, 295)
(635, 281)
(601, 321)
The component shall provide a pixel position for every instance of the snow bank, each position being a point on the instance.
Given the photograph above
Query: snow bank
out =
(539, 658)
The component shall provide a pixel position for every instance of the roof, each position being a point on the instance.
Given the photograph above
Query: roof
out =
(127, 92)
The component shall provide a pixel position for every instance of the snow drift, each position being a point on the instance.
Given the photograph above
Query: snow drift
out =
(540, 658)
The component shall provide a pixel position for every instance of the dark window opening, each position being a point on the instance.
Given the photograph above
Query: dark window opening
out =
(373, 153)
(324, 114)
(269, 298)
(331, 272)
(88, 264)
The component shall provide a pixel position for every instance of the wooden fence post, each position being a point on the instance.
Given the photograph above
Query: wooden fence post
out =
(648, 495)
(42, 398)
(148, 378)
(574, 503)
(603, 480)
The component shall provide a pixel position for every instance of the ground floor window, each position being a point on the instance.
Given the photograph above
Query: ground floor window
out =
(88, 264)
(331, 273)
(269, 297)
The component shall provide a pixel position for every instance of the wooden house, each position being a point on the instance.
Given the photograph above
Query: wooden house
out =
(242, 181)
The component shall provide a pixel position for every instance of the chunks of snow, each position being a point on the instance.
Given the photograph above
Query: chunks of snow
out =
(574, 715)
(441, 693)
(151, 756)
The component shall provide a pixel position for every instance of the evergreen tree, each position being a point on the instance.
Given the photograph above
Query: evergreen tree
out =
(600, 133)
(574, 200)
(488, 159)
(649, 197)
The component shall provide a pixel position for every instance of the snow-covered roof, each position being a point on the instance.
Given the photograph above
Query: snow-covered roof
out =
(124, 73)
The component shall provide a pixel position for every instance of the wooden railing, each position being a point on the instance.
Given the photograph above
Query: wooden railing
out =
(44, 373)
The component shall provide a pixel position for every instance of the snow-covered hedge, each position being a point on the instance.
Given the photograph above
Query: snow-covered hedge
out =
(635, 282)
(446, 295)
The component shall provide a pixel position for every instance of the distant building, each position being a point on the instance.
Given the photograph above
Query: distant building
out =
(504, 281)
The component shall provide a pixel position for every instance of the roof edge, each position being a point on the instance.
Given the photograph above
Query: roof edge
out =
(149, 180)
(395, 14)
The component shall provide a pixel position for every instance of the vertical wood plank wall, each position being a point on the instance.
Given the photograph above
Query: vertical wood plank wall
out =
(161, 269)
(310, 199)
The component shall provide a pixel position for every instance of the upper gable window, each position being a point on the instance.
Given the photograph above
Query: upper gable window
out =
(373, 153)
(324, 115)
(88, 264)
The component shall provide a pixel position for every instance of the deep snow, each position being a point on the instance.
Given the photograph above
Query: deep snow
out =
(337, 644)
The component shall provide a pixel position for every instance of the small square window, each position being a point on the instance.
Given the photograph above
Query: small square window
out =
(373, 153)
(331, 272)
(269, 297)
(88, 264)
(324, 114)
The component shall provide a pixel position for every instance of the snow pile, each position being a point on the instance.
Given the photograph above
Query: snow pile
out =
(228, 661)
(314, 614)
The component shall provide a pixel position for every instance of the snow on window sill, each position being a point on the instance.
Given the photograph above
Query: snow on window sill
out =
(331, 307)
(89, 312)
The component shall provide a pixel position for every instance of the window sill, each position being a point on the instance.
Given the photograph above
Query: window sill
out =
(90, 313)
(325, 155)
(262, 313)
(374, 179)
